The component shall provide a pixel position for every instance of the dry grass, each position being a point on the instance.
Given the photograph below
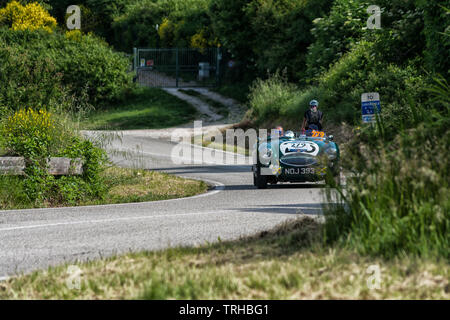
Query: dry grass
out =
(286, 263)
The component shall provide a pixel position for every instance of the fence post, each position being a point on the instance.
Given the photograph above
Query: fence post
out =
(135, 50)
(177, 67)
(218, 58)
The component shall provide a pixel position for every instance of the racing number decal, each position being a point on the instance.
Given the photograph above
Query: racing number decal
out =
(303, 147)
(318, 134)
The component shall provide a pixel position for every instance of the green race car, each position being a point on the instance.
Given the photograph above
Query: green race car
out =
(295, 158)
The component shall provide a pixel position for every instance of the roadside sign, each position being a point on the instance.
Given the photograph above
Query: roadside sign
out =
(370, 106)
(150, 63)
(142, 63)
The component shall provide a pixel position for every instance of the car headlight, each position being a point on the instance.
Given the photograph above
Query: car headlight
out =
(331, 153)
(265, 154)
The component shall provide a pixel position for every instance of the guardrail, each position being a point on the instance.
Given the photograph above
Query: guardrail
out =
(56, 166)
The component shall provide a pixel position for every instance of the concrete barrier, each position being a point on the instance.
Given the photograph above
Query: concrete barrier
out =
(56, 166)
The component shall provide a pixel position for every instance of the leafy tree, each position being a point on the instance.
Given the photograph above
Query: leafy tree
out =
(335, 33)
(282, 33)
(437, 22)
(231, 25)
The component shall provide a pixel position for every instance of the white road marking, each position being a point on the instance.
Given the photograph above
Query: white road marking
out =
(109, 220)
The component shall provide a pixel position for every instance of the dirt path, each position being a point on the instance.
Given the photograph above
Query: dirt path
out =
(208, 115)
(235, 110)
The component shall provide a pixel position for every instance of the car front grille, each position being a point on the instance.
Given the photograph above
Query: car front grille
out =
(298, 160)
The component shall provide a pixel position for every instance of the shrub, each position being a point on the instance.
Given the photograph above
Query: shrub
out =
(30, 133)
(268, 97)
(39, 135)
(29, 17)
(71, 69)
(30, 80)
(94, 160)
(93, 66)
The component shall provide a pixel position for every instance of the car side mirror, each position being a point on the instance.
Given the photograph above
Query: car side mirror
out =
(331, 138)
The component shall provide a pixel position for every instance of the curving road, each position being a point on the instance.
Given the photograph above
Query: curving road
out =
(36, 239)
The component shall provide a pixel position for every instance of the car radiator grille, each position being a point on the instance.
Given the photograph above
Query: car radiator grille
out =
(298, 160)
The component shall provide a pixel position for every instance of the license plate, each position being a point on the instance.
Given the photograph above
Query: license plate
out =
(300, 171)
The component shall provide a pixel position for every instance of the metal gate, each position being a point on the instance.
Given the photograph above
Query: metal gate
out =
(178, 68)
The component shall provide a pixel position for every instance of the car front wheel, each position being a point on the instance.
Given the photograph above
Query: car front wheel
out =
(259, 181)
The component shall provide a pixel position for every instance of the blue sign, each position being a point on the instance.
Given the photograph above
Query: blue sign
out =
(370, 105)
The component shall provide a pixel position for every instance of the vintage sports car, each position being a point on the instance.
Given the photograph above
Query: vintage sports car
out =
(310, 156)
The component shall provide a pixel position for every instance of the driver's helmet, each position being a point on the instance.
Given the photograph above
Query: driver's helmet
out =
(289, 134)
(314, 103)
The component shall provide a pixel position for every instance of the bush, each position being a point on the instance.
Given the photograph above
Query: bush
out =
(39, 135)
(66, 69)
(92, 68)
(94, 159)
(30, 134)
(29, 17)
(269, 97)
(30, 80)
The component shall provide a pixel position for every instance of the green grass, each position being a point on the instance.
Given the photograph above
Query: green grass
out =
(397, 202)
(236, 91)
(288, 262)
(123, 185)
(218, 107)
(146, 108)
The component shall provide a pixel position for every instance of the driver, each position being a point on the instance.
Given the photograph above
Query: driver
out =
(313, 117)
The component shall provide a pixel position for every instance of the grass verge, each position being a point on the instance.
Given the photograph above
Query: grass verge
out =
(123, 185)
(146, 108)
(288, 262)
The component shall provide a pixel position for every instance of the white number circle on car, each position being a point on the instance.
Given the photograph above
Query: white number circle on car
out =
(302, 147)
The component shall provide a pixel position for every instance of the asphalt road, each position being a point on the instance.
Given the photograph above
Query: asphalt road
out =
(37, 239)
